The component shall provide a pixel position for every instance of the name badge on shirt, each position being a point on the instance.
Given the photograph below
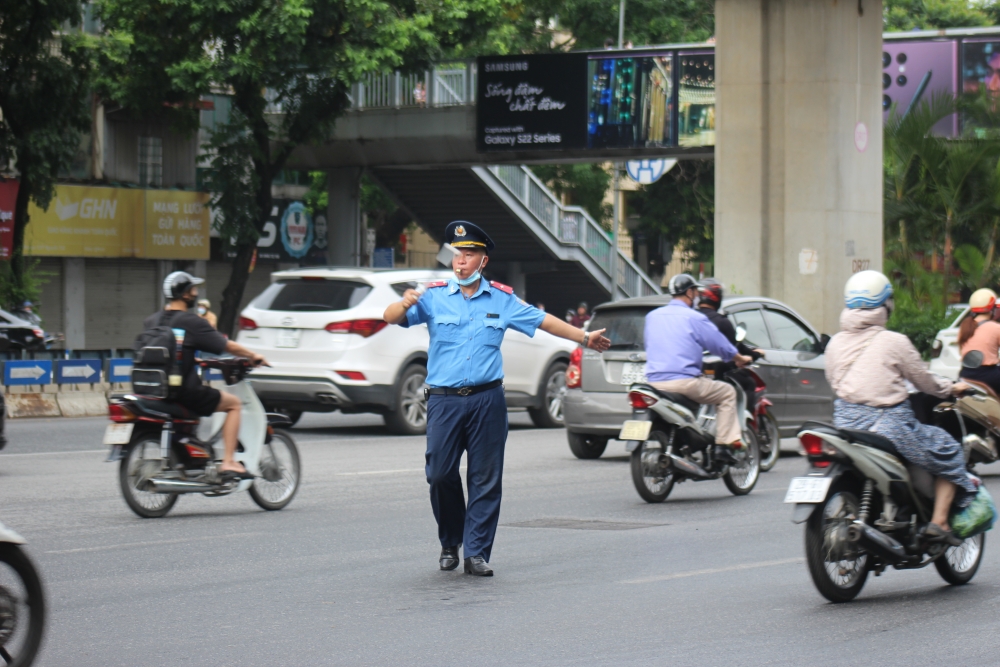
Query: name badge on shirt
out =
(492, 316)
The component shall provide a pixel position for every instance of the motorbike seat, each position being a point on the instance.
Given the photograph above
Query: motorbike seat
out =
(674, 397)
(166, 407)
(868, 438)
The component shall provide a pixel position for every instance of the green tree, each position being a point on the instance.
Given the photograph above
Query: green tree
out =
(288, 66)
(903, 15)
(44, 79)
(582, 185)
(679, 209)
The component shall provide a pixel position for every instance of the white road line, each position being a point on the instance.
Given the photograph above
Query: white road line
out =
(151, 543)
(715, 570)
(71, 451)
(381, 472)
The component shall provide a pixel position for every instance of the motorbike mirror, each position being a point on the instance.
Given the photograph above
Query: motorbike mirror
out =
(741, 334)
(973, 359)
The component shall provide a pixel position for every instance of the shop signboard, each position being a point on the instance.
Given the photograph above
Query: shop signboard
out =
(86, 221)
(177, 225)
(531, 102)
(8, 199)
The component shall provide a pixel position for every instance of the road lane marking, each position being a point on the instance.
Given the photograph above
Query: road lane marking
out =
(70, 451)
(152, 543)
(714, 570)
(381, 472)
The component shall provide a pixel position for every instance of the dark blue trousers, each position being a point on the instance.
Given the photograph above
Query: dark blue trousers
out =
(477, 425)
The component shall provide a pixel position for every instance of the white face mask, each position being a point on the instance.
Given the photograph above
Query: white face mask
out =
(465, 282)
(202, 310)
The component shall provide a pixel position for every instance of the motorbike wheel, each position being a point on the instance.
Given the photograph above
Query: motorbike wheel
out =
(280, 473)
(22, 607)
(958, 565)
(837, 570)
(653, 479)
(140, 462)
(770, 442)
(742, 477)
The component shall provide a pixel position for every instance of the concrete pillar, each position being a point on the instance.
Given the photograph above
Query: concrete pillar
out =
(344, 216)
(74, 306)
(798, 176)
(516, 278)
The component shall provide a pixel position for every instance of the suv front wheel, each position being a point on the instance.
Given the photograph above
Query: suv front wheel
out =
(410, 415)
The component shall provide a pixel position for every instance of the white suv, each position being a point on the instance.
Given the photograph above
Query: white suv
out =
(945, 359)
(321, 330)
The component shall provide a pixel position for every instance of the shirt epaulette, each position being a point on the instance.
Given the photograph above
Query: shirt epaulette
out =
(502, 287)
(438, 283)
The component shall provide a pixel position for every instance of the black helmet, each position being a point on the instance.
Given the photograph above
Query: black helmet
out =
(710, 291)
(680, 284)
(178, 283)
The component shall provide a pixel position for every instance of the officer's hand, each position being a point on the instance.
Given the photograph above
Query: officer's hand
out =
(742, 360)
(598, 342)
(410, 297)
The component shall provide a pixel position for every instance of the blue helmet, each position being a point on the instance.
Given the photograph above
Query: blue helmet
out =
(867, 289)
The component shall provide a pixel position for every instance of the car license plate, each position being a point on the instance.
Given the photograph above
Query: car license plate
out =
(633, 372)
(118, 434)
(808, 489)
(634, 429)
(289, 337)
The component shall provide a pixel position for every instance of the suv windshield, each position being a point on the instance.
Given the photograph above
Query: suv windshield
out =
(312, 295)
(624, 327)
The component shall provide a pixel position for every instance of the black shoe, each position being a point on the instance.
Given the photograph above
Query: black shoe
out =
(934, 533)
(724, 454)
(449, 558)
(477, 566)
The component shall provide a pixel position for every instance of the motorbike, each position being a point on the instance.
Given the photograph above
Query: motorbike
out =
(763, 423)
(977, 418)
(671, 438)
(22, 602)
(865, 508)
(160, 455)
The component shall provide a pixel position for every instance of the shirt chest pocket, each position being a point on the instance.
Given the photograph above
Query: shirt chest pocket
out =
(492, 331)
(447, 327)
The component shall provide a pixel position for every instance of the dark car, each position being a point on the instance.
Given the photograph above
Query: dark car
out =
(596, 404)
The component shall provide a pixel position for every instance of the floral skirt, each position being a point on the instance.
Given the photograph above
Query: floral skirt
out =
(929, 447)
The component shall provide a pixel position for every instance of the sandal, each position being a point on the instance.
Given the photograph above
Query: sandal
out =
(935, 533)
(236, 474)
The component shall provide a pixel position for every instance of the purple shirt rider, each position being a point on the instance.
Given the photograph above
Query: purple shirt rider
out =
(676, 337)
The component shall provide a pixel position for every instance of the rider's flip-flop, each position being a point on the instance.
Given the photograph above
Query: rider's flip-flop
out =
(934, 533)
(235, 474)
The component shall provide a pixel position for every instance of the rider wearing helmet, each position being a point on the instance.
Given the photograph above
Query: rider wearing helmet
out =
(979, 331)
(710, 295)
(195, 334)
(676, 336)
(868, 367)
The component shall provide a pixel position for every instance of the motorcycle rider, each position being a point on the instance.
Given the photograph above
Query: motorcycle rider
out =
(676, 336)
(195, 334)
(979, 331)
(867, 367)
(710, 295)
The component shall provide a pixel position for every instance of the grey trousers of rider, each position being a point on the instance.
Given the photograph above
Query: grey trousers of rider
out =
(710, 392)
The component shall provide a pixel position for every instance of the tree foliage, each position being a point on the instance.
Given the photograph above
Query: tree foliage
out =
(288, 66)
(903, 15)
(583, 185)
(44, 78)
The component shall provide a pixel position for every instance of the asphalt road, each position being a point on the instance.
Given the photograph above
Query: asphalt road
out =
(586, 573)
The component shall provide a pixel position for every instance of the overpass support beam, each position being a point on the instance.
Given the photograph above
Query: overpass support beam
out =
(344, 216)
(798, 176)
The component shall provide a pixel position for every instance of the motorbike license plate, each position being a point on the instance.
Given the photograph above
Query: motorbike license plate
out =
(118, 434)
(634, 429)
(633, 372)
(289, 337)
(808, 489)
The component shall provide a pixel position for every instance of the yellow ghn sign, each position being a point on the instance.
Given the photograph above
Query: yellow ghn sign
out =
(86, 221)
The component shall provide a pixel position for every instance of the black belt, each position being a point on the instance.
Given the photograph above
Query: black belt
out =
(461, 391)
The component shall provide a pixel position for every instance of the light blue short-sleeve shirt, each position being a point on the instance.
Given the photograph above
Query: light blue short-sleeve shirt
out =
(466, 333)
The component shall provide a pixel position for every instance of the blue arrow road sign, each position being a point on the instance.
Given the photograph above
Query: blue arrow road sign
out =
(648, 171)
(119, 370)
(27, 372)
(78, 371)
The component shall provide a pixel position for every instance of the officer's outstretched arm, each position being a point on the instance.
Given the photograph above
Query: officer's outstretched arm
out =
(396, 312)
(557, 327)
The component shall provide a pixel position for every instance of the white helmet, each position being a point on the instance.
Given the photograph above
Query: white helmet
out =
(178, 283)
(867, 289)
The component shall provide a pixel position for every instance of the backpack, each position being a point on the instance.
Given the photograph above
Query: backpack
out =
(156, 371)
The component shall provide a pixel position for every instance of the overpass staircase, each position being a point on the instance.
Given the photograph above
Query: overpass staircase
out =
(550, 253)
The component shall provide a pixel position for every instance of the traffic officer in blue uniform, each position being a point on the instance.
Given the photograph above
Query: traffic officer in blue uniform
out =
(466, 318)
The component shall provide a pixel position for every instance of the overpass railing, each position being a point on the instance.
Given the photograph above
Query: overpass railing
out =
(444, 85)
(572, 225)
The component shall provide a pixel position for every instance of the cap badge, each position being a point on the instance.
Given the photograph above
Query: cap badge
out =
(460, 231)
